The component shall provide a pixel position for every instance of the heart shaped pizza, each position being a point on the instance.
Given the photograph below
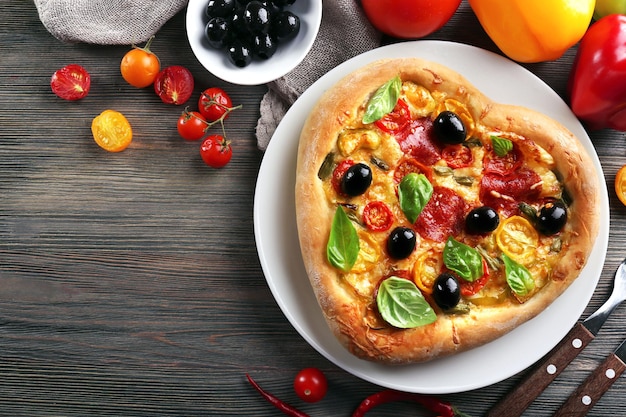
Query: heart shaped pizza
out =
(433, 220)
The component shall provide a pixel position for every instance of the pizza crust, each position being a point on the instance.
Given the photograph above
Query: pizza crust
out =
(342, 309)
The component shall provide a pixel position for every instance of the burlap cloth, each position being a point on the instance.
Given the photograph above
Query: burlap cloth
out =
(344, 33)
(106, 22)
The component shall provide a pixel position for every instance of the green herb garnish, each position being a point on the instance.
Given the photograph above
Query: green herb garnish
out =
(501, 146)
(342, 249)
(383, 101)
(463, 259)
(402, 304)
(414, 192)
(518, 277)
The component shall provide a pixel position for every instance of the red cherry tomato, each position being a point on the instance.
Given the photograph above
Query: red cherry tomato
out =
(191, 125)
(72, 82)
(377, 216)
(216, 151)
(338, 174)
(214, 103)
(409, 19)
(397, 120)
(457, 156)
(409, 165)
(310, 385)
(174, 85)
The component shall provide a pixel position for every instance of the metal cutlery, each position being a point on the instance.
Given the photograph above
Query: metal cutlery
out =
(533, 384)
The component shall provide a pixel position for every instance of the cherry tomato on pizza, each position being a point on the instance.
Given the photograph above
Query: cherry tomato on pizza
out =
(409, 165)
(139, 67)
(216, 151)
(72, 82)
(191, 125)
(396, 120)
(457, 156)
(518, 239)
(377, 216)
(426, 270)
(409, 19)
(214, 104)
(338, 173)
(310, 385)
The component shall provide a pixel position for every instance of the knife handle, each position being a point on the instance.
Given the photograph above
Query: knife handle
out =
(533, 384)
(589, 392)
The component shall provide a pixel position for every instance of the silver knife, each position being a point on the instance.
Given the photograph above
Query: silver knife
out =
(533, 384)
(601, 379)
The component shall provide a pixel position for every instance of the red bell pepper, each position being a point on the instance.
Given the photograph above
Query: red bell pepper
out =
(597, 83)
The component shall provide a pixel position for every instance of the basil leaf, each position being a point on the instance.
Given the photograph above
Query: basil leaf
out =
(383, 101)
(501, 146)
(414, 192)
(462, 259)
(518, 277)
(343, 243)
(402, 304)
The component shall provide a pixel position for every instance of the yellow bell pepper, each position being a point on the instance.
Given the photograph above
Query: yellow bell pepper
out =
(534, 30)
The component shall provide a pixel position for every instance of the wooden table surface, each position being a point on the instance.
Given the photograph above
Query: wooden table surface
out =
(130, 283)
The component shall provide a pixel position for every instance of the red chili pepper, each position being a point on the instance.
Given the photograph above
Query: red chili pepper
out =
(284, 407)
(442, 408)
(597, 83)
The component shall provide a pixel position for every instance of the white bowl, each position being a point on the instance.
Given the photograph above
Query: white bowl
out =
(288, 55)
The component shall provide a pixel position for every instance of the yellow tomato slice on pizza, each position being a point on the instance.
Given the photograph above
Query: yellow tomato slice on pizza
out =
(427, 269)
(517, 238)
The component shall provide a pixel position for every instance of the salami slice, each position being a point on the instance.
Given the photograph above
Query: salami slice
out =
(418, 142)
(443, 215)
(505, 192)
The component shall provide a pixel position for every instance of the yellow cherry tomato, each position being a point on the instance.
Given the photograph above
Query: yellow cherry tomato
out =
(534, 30)
(461, 110)
(427, 269)
(517, 238)
(111, 131)
(620, 184)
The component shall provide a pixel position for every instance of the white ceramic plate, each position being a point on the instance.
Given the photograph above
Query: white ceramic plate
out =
(279, 253)
(286, 58)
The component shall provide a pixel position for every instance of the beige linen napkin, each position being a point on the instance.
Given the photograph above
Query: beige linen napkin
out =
(344, 33)
(106, 22)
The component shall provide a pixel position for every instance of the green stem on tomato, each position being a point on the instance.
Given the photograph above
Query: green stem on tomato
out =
(146, 47)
